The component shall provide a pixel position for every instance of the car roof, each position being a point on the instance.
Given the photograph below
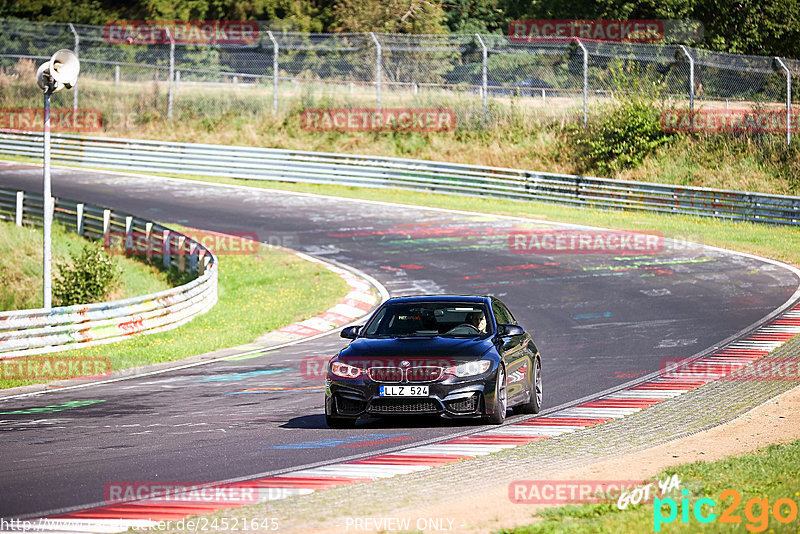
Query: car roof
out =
(440, 298)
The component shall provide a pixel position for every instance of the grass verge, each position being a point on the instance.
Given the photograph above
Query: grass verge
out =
(21, 268)
(760, 479)
(257, 293)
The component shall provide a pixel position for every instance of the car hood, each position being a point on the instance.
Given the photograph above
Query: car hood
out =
(458, 349)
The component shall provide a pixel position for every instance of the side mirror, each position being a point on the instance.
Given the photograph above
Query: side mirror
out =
(510, 330)
(351, 332)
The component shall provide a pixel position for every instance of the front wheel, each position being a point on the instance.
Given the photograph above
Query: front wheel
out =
(534, 404)
(500, 404)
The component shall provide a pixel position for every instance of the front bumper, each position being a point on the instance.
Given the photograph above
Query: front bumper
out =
(453, 399)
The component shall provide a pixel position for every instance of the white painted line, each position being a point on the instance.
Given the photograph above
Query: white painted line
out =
(598, 412)
(646, 394)
(531, 430)
(463, 450)
(358, 471)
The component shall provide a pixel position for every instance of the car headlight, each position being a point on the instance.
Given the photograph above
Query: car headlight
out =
(471, 368)
(343, 370)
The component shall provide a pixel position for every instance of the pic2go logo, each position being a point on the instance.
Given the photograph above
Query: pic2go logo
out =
(756, 511)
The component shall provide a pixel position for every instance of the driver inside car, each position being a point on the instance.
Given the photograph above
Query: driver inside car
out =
(478, 320)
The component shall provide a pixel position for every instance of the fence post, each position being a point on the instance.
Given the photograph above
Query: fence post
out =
(75, 89)
(165, 250)
(782, 66)
(484, 80)
(20, 197)
(689, 57)
(79, 218)
(585, 81)
(116, 74)
(171, 72)
(274, 72)
(377, 70)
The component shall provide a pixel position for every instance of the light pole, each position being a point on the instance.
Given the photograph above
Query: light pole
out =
(61, 72)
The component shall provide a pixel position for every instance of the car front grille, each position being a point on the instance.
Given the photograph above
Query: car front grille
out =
(394, 375)
(385, 374)
(404, 406)
(427, 373)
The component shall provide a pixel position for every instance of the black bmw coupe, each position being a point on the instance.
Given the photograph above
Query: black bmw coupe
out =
(454, 356)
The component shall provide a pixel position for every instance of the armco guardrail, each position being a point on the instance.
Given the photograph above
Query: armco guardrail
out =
(371, 171)
(40, 331)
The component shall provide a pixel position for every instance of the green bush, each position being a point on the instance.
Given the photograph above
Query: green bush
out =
(623, 137)
(87, 278)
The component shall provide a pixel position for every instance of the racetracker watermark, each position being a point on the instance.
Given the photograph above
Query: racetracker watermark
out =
(730, 367)
(720, 121)
(136, 243)
(179, 492)
(220, 32)
(629, 31)
(573, 241)
(55, 367)
(568, 491)
(61, 120)
(378, 120)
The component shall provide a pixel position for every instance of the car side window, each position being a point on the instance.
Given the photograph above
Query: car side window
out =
(510, 316)
(500, 313)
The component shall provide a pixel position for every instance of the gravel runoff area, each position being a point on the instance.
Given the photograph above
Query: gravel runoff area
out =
(473, 494)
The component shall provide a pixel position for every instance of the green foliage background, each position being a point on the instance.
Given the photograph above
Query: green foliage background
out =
(766, 27)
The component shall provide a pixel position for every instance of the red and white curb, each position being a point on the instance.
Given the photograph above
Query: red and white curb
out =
(715, 366)
(356, 304)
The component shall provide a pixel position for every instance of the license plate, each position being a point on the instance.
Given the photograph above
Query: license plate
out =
(404, 391)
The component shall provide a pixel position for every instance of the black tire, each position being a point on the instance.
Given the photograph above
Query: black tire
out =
(534, 404)
(500, 405)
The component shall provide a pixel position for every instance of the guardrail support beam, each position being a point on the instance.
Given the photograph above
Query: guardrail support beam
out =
(79, 219)
(20, 200)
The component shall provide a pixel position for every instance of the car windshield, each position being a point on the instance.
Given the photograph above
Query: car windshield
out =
(429, 319)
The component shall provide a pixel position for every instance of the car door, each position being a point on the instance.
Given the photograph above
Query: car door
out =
(514, 354)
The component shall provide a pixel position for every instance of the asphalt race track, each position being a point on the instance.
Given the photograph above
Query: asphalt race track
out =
(599, 321)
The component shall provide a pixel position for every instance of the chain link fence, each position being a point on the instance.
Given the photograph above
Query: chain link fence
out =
(481, 77)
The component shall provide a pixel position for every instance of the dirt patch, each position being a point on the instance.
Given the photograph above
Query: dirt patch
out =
(776, 421)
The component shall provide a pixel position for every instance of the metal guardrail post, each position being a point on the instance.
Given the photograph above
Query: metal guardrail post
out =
(274, 72)
(79, 218)
(585, 81)
(484, 80)
(378, 51)
(171, 72)
(782, 66)
(75, 89)
(18, 214)
(689, 57)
